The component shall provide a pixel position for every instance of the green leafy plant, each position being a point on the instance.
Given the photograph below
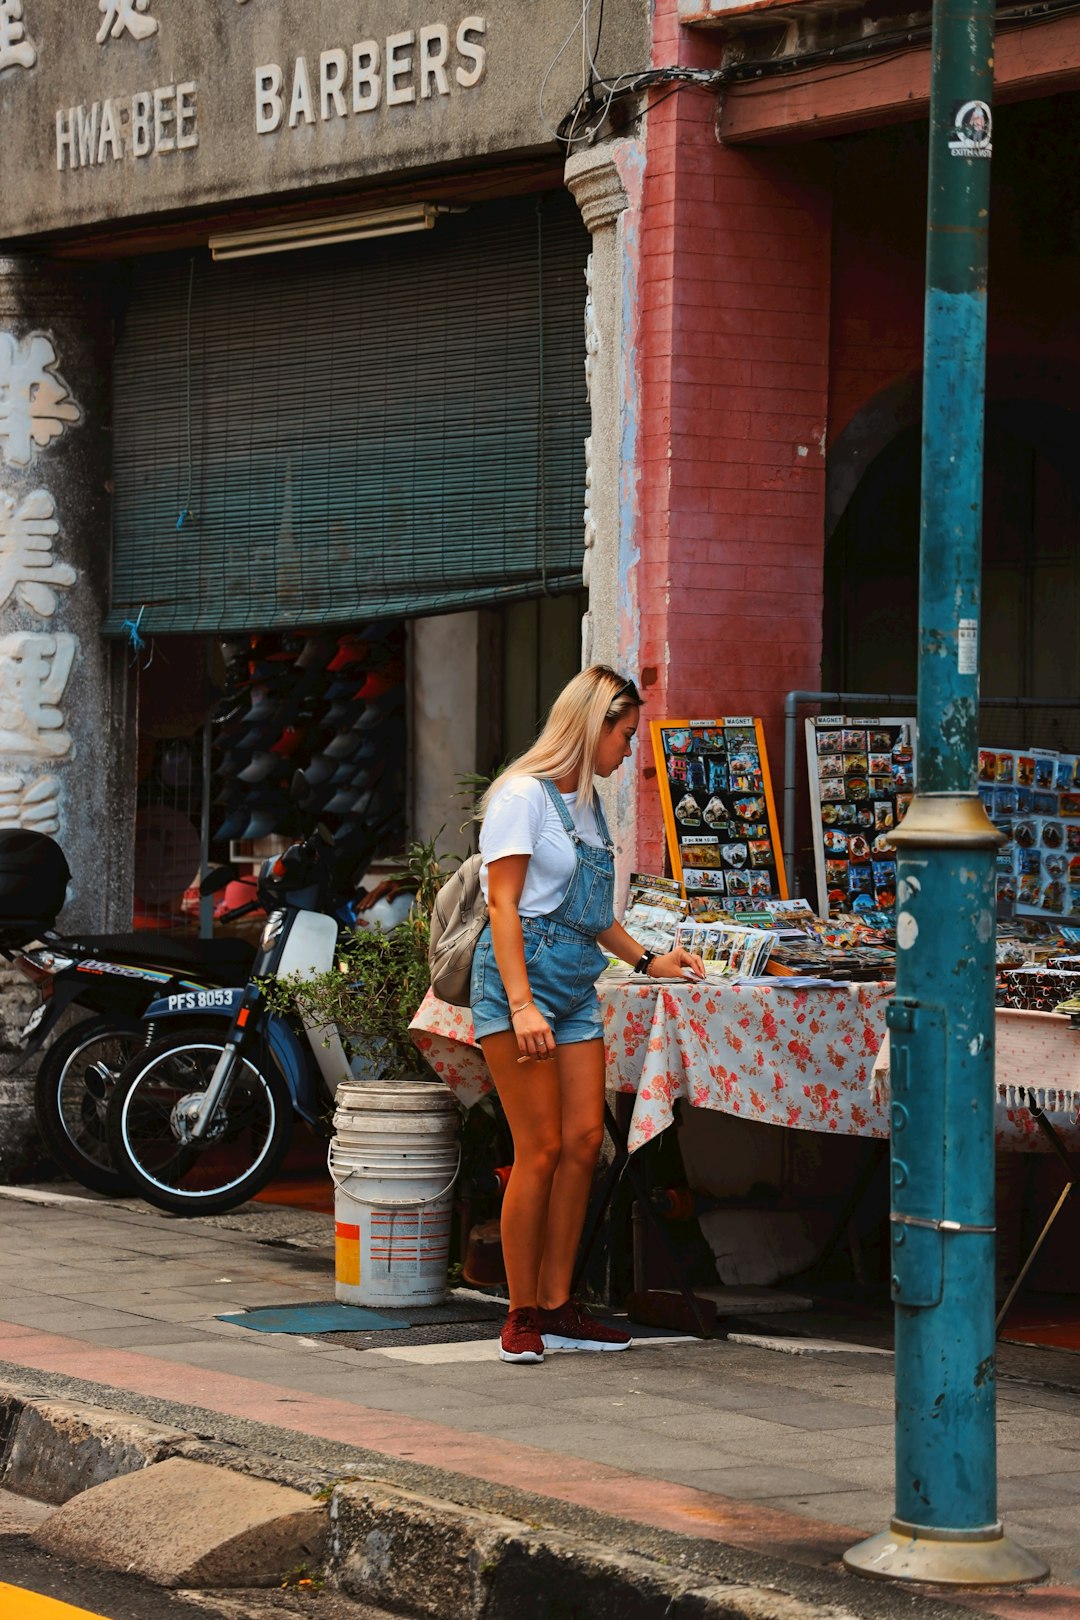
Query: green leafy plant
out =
(378, 980)
(472, 785)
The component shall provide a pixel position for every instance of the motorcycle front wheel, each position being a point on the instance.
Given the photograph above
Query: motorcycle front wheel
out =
(242, 1149)
(74, 1082)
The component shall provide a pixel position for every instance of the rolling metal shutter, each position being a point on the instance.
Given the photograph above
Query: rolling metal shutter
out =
(388, 428)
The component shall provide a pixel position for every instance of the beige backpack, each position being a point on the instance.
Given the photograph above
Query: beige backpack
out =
(457, 921)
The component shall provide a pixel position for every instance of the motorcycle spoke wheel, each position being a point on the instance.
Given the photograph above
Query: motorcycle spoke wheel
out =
(244, 1147)
(71, 1094)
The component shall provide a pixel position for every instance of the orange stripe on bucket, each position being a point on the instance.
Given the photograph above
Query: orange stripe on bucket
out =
(347, 1254)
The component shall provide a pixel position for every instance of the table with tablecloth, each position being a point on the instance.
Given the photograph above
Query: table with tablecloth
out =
(784, 1054)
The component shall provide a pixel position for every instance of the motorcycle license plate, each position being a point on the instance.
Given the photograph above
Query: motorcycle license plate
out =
(33, 1021)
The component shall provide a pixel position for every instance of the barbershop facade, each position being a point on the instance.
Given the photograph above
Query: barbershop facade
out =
(299, 322)
(314, 322)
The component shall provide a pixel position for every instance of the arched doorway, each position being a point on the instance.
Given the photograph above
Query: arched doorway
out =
(1031, 573)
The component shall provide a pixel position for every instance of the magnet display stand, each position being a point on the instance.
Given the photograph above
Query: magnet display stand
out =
(862, 778)
(1032, 795)
(719, 812)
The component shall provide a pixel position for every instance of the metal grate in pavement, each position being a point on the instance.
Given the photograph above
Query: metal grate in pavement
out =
(458, 1321)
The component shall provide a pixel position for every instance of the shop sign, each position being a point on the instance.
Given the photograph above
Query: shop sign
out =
(149, 124)
(123, 108)
(401, 69)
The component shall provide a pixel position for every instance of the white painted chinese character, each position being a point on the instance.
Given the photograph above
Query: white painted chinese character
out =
(35, 405)
(34, 671)
(16, 49)
(121, 14)
(28, 569)
(35, 805)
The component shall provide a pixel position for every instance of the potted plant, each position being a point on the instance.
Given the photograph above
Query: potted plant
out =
(378, 981)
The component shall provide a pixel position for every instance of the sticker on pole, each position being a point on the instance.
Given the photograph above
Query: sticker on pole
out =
(972, 128)
(967, 647)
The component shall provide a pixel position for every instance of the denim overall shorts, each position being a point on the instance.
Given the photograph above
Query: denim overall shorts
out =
(562, 957)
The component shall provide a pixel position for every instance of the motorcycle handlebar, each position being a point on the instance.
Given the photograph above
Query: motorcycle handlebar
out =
(238, 911)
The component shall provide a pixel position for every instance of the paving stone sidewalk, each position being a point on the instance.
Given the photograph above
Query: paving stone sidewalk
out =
(738, 1447)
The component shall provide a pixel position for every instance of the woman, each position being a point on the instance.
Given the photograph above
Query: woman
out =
(548, 876)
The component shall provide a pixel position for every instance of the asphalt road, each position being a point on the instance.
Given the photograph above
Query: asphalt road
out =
(122, 1597)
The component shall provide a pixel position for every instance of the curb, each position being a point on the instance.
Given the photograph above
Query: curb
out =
(388, 1546)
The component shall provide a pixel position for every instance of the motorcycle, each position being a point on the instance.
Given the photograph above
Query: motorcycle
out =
(199, 1122)
(116, 978)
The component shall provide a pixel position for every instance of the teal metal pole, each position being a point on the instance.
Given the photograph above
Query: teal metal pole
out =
(945, 1527)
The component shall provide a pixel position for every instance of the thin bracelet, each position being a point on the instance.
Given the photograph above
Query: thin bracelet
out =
(515, 1010)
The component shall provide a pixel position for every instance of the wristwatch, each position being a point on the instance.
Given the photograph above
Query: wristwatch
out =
(646, 959)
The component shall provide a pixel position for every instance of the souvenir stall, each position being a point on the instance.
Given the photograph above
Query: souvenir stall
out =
(788, 1028)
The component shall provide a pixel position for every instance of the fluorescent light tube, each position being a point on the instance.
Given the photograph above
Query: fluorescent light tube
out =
(311, 233)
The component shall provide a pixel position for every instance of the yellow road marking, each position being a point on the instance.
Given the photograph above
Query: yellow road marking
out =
(15, 1604)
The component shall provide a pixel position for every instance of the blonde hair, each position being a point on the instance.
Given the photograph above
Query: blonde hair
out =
(596, 698)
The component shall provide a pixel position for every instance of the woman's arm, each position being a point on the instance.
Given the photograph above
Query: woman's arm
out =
(506, 879)
(617, 942)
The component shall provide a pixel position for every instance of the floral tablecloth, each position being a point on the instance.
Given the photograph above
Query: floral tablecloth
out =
(1033, 1052)
(799, 1057)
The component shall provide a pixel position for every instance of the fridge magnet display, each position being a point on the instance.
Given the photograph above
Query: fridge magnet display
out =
(719, 814)
(862, 778)
(1033, 797)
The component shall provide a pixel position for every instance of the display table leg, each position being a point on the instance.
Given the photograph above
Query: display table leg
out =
(622, 1164)
(853, 1202)
(1072, 1174)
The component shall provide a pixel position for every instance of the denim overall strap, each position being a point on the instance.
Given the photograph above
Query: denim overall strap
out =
(568, 823)
(587, 906)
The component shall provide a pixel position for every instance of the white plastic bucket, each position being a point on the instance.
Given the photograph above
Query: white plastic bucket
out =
(394, 1159)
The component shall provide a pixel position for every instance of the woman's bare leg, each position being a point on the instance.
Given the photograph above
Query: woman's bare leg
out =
(531, 1101)
(581, 1087)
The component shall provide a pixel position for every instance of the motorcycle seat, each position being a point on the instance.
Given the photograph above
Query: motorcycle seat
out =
(170, 950)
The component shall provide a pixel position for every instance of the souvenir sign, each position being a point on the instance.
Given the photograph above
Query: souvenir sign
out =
(862, 777)
(718, 811)
(1032, 795)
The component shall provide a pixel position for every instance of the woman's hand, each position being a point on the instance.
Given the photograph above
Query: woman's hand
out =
(535, 1036)
(677, 964)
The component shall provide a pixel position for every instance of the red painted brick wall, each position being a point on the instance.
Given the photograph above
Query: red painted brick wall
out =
(733, 350)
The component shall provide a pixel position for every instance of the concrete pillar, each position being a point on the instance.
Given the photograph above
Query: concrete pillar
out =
(444, 656)
(65, 725)
(604, 183)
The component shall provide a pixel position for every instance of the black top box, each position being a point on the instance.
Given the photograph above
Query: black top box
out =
(34, 877)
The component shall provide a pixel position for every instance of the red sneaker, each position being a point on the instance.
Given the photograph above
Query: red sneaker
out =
(569, 1328)
(520, 1340)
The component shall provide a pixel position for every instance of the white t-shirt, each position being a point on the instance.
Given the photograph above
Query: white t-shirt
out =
(521, 820)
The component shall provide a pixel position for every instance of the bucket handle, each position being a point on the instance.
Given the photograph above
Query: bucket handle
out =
(391, 1203)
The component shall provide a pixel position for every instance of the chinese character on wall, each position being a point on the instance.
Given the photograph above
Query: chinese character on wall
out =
(29, 573)
(35, 405)
(34, 672)
(125, 16)
(16, 48)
